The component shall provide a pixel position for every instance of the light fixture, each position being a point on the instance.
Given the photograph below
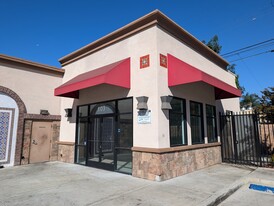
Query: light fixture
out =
(142, 102)
(44, 112)
(166, 102)
(68, 112)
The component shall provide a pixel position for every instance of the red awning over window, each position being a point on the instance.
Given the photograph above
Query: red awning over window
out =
(117, 74)
(180, 72)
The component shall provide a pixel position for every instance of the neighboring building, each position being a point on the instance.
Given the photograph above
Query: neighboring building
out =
(29, 112)
(142, 100)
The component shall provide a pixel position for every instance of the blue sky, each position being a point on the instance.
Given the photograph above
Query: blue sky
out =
(46, 30)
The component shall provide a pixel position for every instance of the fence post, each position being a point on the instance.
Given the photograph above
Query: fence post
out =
(235, 142)
(221, 135)
(257, 137)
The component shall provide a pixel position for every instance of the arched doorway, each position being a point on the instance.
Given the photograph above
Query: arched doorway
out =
(12, 110)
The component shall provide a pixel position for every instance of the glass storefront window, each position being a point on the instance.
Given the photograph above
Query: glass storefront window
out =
(125, 106)
(178, 105)
(81, 155)
(91, 108)
(125, 131)
(177, 122)
(196, 121)
(177, 130)
(105, 135)
(83, 111)
(82, 131)
(211, 123)
(124, 161)
(104, 108)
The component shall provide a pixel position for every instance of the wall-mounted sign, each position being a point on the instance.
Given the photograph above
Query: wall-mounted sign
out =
(144, 117)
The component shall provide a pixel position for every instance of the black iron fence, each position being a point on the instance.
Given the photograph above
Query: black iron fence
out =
(248, 138)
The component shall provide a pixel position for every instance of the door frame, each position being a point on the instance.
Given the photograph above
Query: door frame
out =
(101, 164)
(81, 150)
(32, 139)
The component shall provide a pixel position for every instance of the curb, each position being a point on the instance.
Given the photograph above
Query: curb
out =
(223, 194)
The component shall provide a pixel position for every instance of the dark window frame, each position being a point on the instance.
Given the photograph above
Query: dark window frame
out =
(116, 114)
(185, 122)
(201, 119)
(214, 117)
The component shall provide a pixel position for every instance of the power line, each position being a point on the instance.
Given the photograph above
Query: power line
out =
(252, 55)
(250, 72)
(251, 47)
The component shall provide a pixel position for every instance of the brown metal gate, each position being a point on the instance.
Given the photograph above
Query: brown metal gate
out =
(248, 138)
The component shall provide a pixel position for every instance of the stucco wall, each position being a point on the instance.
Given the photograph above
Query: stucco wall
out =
(143, 83)
(199, 92)
(35, 87)
(150, 81)
(168, 44)
(232, 104)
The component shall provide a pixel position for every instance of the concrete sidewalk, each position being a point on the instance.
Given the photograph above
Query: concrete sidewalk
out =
(57, 183)
(246, 197)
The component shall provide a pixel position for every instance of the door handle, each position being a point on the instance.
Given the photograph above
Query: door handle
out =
(34, 142)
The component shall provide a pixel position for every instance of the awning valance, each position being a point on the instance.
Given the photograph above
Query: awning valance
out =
(117, 74)
(180, 72)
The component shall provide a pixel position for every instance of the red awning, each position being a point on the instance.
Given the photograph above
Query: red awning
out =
(117, 74)
(180, 72)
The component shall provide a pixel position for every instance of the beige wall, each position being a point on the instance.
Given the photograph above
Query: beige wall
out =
(232, 104)
(169, 44)
(35, 87)
(151, 82)
(199, 92)
(143, 83)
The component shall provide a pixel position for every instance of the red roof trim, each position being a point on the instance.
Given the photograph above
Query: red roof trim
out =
(117, 74)
(180, 72)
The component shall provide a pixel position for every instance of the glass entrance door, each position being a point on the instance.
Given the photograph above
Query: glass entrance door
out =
(104, 135)
(101, 142)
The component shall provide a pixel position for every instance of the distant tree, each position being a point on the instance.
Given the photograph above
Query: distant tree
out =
(213, 44)
(250, 100)
(231, 68)
(267, 100)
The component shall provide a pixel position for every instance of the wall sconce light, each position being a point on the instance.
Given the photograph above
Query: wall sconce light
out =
(142, 103)
(44, 112)
(68, 112)
(166, 102)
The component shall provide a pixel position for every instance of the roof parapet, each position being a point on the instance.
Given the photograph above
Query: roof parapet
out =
(152, 19)
(31, 63)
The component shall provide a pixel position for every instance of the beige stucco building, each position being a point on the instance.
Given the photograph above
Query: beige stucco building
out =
(144, 100)
(29, 112)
